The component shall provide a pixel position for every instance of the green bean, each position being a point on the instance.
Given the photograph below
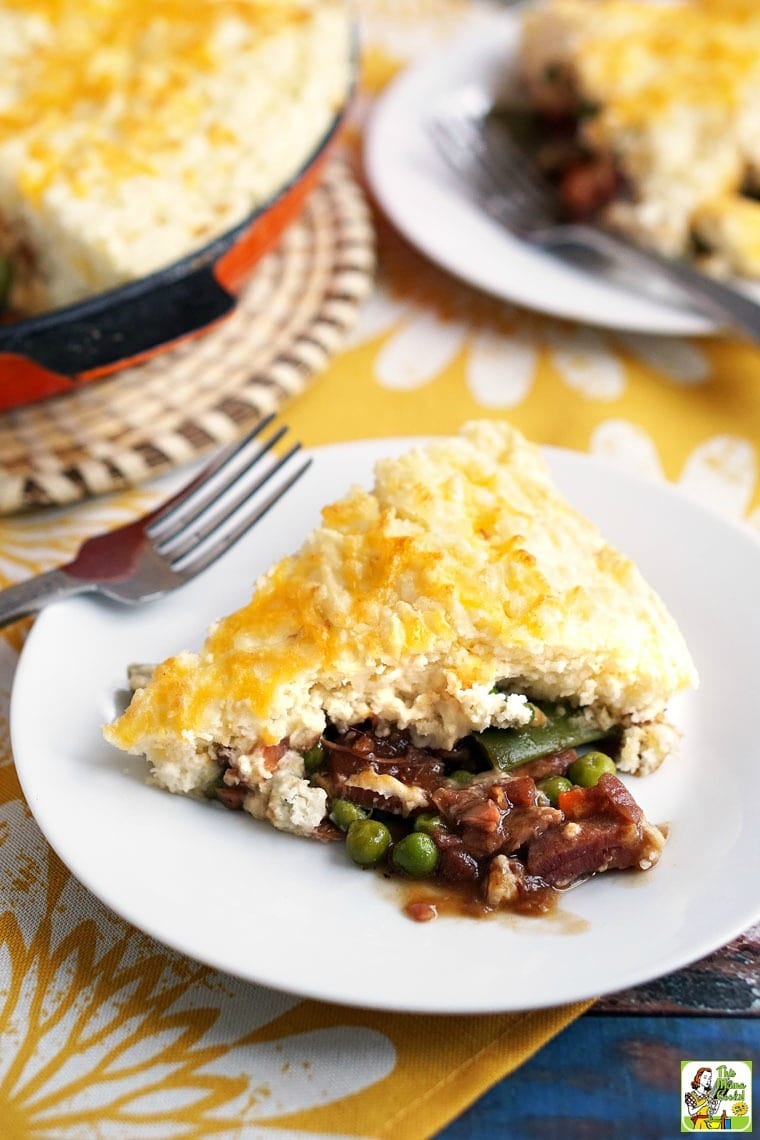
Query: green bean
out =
(507, 748)
(461, 777)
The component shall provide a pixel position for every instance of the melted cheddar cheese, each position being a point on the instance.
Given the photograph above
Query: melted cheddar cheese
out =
(128, 71)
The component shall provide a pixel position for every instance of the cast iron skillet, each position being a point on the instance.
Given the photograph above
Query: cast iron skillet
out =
(59, 351)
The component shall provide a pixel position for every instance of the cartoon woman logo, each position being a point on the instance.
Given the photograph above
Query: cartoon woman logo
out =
(699, 1104)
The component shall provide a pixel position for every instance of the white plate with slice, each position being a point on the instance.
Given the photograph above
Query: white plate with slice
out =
(296, 915)
(434, 210)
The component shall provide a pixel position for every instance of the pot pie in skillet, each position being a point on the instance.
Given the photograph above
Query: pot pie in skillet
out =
(133, 133)
(419, 677)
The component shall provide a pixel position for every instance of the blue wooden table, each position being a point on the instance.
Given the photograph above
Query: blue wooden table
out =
(615, 1074)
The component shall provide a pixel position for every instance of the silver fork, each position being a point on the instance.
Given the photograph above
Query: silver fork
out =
(181, 537)
(482, 153)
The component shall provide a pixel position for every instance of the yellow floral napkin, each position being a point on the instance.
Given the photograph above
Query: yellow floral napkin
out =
(107, 1035)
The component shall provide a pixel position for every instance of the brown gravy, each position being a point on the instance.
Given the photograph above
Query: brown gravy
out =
(424, 902)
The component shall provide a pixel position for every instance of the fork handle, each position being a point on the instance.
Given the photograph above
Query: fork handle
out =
(28, 597)
(715, 299)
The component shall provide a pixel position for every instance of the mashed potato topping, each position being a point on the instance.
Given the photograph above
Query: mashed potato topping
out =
(441, 600)
(132, 133)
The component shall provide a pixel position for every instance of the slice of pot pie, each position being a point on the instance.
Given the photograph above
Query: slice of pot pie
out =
(421, 675)
(647, 117)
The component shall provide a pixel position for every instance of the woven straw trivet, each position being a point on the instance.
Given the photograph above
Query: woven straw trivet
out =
(292, 316)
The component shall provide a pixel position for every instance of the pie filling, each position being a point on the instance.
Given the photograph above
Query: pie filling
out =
(507, 818)
(585, 180)
(448, 675)
(589, 181)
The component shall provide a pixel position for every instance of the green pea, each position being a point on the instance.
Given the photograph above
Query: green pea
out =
(427, 821)
(343, 813)
(538, 718)
(461, 777)
(215, 782)
(367, 841)
(416, 854)
(314, 758)
(587, 770)
(552, 786)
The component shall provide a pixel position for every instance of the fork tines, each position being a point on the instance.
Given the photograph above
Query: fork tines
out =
(228, 496)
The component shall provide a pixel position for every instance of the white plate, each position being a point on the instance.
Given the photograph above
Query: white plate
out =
(433, 210)
(299, 916)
